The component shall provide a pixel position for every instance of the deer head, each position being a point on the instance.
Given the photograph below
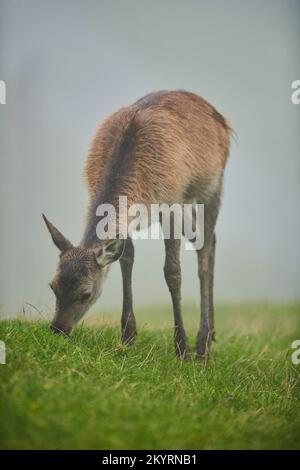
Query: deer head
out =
(79, 278)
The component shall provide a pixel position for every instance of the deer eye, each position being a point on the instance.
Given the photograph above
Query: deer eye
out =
(85, 296)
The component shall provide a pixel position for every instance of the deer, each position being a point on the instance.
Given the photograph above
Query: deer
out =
(167, 147)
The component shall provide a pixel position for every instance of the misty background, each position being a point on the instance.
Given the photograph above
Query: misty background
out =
(68, 64)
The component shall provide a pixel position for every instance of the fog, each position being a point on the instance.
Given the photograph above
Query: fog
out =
(68, 64)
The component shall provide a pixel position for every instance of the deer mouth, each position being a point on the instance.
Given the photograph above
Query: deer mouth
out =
(60, 330)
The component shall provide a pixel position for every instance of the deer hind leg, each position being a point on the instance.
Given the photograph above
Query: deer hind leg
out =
(206, 273)
(128, 323)
(172, 272)
(206, 257)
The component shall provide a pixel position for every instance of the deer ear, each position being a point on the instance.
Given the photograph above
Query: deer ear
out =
(58, 239)
(98, 252)
(109, 252)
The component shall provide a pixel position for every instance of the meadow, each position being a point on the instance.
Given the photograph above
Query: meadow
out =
(90, 392)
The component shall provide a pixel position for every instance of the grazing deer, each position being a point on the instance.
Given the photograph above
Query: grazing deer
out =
(168, 147)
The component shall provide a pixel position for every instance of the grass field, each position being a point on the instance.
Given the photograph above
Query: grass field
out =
(90, 392)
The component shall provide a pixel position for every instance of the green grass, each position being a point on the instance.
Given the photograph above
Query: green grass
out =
(90, 392)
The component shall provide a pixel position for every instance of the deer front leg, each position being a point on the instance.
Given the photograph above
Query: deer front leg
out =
(172, 273)
(206, 272)
(128, 323)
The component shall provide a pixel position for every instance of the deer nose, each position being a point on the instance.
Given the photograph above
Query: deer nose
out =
(59, 329)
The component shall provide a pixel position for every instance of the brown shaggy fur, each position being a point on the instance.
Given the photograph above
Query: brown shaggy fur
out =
(166, 147)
